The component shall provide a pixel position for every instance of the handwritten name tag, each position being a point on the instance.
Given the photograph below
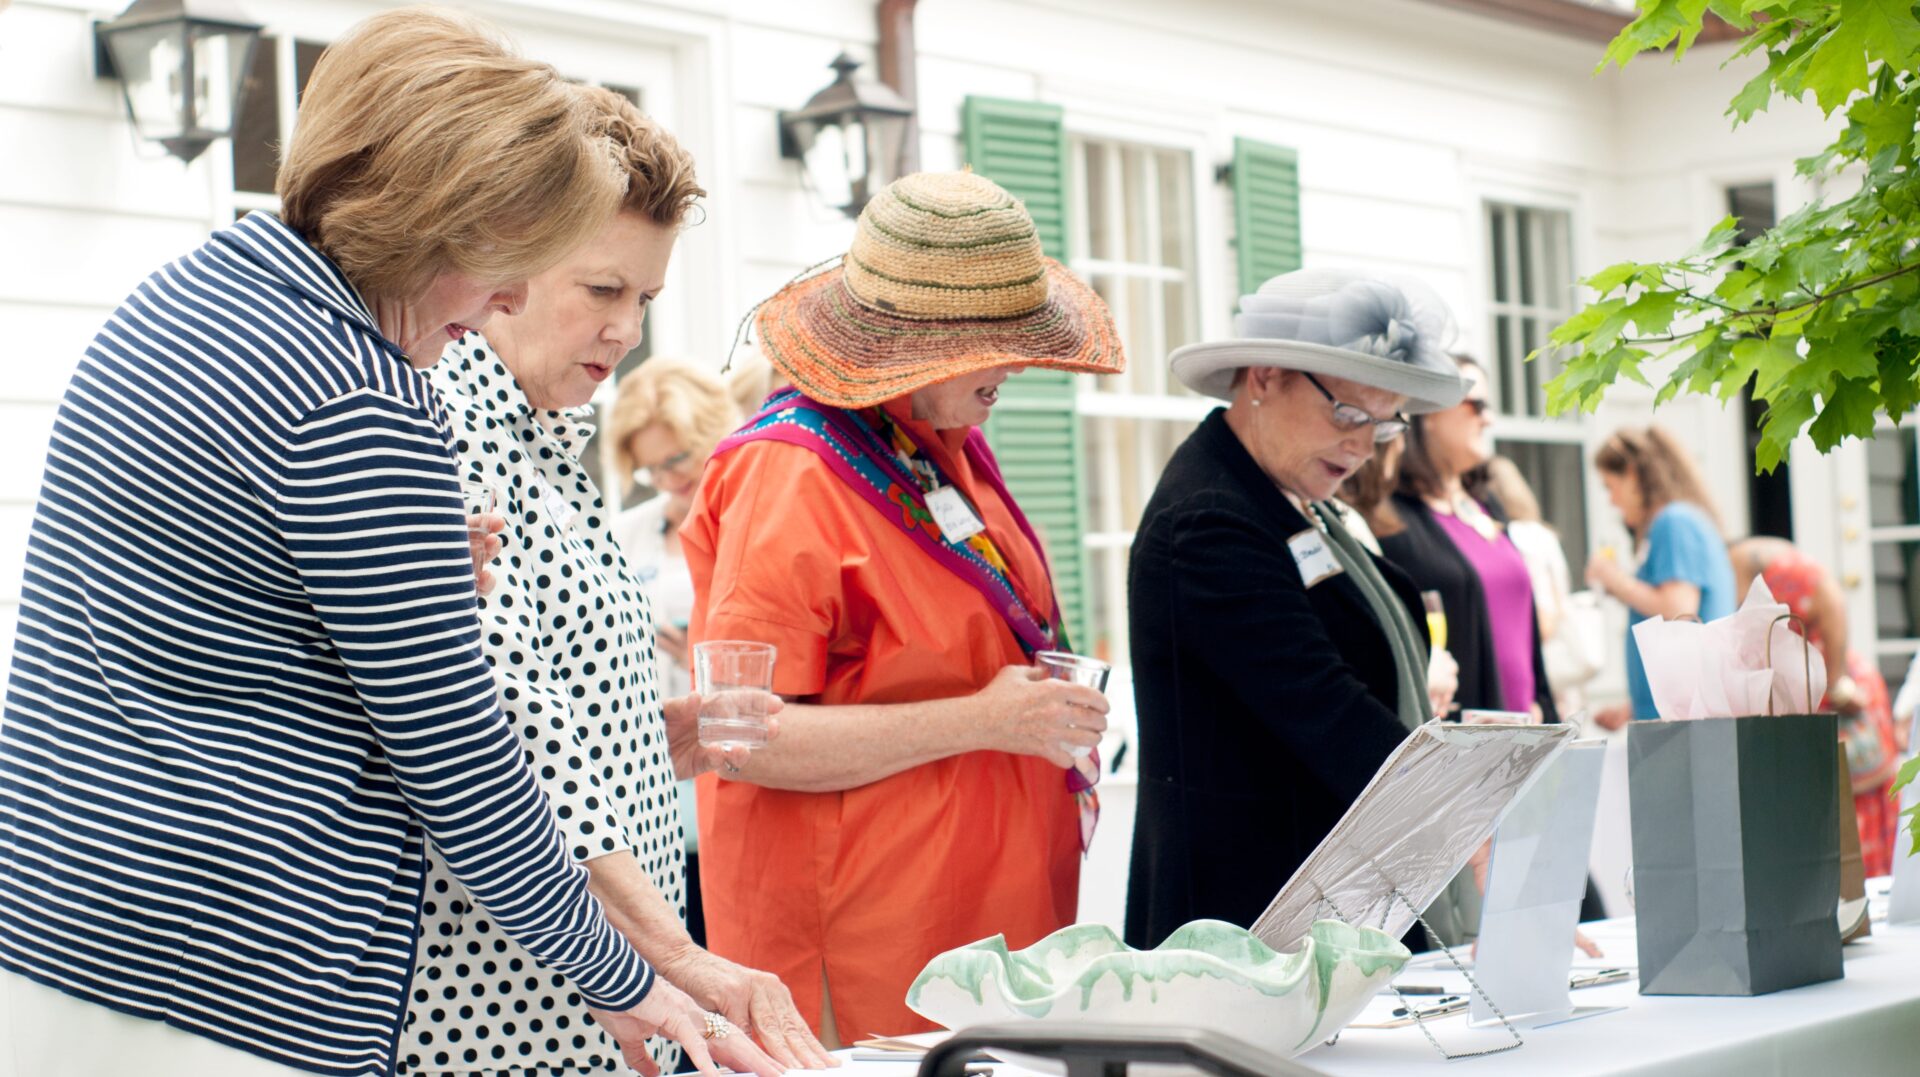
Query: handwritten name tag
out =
(1314, 556)
(956, 518)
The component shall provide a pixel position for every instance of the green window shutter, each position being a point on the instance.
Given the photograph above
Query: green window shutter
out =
(1035, 428)
(1266, 211)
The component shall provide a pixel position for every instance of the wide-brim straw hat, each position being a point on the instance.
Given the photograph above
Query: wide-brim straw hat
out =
(1340, 323)
(945, 277)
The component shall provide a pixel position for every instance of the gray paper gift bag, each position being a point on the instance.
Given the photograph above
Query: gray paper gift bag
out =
(1736, 853)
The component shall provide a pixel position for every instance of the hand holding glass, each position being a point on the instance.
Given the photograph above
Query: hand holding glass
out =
(735, 682)
(1079, 669)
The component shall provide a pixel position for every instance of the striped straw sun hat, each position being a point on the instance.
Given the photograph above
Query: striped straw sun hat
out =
(945, 277)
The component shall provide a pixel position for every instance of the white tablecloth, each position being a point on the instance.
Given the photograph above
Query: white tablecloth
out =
(1865, 1025)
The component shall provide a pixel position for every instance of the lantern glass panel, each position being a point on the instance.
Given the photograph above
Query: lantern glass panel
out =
(886, 139)
(218, 74)
(829, 163)
(149, 61)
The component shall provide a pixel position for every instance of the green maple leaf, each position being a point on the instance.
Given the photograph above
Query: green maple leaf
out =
(1658, 23)
(1849, 411)
(1862, 30)
(1787, 412)
(1899, 374)
(1881, 124)
(1771, 359)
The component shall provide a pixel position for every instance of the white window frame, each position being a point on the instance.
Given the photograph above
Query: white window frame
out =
(1878, 535)
(1097, 399)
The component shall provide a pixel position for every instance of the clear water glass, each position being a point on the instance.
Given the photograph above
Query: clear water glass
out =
(735, 682)
(1078, 668)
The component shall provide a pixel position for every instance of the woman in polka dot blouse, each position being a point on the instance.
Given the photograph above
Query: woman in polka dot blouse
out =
(570, 637)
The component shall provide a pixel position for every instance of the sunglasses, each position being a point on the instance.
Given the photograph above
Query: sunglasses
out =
(1351, 417)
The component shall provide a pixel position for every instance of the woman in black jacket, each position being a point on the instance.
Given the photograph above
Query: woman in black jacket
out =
(1446, 532)
(1276, 663)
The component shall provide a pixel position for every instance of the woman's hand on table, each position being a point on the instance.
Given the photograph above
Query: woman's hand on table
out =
(755, 1001)
(690, 759)
(1028, 713)
(670, 1012)
(672, 639)
(483, 543)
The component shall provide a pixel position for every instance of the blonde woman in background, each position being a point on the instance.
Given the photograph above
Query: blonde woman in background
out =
(1571, 626)
(669, 415)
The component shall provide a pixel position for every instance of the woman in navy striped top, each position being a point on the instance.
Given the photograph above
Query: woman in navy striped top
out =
(248, 684)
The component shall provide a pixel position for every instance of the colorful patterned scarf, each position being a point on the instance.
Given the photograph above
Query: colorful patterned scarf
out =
(892, 472)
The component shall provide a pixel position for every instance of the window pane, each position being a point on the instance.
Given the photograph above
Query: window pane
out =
(257, 131)
(1140, 217)
(1523, 227)
(1100, 238)
(1503, 363)
(305, 55)
(1896, 589)
(1892, 497)
(1529, 372)
(1175, 216)
(1752, 205)
(1894, 668)
(1557, 472)
(1497, 244)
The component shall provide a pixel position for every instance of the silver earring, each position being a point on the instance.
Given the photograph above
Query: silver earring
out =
(1256, 401)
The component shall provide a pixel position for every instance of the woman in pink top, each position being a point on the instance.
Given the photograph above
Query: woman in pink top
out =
(1452, 539)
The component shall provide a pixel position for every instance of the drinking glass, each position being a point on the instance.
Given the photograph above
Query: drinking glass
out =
(735, 682)
(1062, 666)
(479, 500)
(1436, 618)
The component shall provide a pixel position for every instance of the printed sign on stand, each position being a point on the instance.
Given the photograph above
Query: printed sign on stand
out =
(1535, 883)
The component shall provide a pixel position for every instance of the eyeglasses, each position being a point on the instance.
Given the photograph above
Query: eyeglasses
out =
(676, 464)
(1351, 417)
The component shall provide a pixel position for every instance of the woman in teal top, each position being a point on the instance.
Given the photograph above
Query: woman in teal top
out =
(1683, 570)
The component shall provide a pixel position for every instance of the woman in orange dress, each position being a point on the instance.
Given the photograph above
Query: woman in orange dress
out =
(1855, 690)
(929, 788)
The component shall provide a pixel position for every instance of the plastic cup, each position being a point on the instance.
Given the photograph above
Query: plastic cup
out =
(735, 682)
(1062, 666)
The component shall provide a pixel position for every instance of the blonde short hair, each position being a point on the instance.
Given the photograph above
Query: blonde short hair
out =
(425, 144)
(688, 400)
(661, 185)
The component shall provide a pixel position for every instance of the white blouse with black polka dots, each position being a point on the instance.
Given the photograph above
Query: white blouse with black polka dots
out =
(570, 637)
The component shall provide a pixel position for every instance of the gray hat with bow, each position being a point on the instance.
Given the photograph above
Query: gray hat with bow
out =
(1340, 323)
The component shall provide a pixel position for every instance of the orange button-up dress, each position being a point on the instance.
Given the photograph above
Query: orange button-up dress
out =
(870, 883)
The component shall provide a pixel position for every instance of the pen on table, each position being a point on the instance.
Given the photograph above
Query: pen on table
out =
(1439, 1005)
(1421, 989)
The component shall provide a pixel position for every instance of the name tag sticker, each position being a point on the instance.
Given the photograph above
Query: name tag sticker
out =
(559, 510)
(1314, 556)
(956, 518)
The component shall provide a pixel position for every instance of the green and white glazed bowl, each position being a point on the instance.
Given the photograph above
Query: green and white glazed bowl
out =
(1208, 974)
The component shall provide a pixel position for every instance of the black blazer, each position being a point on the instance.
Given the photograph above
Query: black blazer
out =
(1428, 556)
(1265, 707)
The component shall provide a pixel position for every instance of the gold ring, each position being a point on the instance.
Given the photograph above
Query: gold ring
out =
(718, 1027)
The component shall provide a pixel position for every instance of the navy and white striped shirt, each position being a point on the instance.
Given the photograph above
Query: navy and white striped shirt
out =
(248, 682)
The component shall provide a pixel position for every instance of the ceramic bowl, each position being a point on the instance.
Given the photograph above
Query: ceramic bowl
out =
(1208, 974)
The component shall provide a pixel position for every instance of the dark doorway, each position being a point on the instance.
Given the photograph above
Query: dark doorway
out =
(1770, 496)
